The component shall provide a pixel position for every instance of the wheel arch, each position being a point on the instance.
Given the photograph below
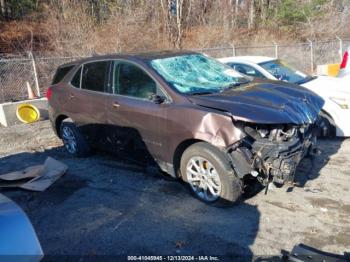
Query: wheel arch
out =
(324, 113)
(331, 121)
(180, 149)
(58, 123)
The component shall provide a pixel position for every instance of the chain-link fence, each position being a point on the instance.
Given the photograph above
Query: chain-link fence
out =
(304, 56)
(19, 72)
(15, 76)
(46, 68)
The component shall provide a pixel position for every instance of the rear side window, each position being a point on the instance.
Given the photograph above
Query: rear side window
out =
(76, 79)
(94, 76)
(61, 73)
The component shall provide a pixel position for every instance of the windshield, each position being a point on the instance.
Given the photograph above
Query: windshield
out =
(284, 72)
(197, 74)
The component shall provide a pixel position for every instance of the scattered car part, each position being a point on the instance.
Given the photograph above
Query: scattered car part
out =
(40, 177)
(27, 113)
(18, 240)
(334, 91)
(195, 117)
(305, 253)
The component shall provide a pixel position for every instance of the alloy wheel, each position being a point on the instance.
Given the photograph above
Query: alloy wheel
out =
(203, 179)
(69, 140)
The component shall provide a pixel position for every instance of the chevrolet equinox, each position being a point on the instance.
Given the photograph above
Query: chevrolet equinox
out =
(197, 118)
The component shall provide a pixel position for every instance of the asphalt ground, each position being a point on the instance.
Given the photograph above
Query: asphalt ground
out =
(107, 205)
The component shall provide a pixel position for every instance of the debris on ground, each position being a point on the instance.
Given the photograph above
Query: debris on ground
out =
(180, 244)
(105, 215)
(303, 252)
(35, 178)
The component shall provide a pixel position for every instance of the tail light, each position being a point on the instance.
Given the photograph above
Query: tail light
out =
(49, 93)
(345, 60)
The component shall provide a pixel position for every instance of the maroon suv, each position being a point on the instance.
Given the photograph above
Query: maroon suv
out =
(195, 117)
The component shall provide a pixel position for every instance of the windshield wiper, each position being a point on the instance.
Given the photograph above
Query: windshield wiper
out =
(200, 93)
(305, 80)
(235, 85)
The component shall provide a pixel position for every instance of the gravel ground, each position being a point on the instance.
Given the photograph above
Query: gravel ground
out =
(108, 206)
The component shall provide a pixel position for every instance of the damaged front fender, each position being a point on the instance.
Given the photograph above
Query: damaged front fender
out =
(217, 130)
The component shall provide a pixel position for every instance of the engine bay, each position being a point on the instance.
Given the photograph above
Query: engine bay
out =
(271, 153)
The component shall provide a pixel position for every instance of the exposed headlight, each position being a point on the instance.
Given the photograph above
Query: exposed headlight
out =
(341, 102)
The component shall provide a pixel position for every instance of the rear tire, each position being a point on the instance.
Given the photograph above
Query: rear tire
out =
(209, 175)
(73, 140)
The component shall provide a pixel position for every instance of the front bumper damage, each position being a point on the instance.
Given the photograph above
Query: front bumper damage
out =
(272, 154)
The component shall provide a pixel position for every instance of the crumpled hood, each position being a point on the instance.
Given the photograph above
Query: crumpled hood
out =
(265, 102)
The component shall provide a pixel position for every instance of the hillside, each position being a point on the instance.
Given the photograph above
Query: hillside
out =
(79, 27)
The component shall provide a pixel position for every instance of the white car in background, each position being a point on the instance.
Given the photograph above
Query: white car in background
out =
(335, 91)
(345, 66)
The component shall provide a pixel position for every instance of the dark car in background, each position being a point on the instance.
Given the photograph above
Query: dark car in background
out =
(196, 118)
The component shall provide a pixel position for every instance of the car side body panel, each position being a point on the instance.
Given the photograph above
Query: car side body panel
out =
(162, 127)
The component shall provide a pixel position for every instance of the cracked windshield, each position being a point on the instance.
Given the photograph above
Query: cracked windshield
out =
(197, 74)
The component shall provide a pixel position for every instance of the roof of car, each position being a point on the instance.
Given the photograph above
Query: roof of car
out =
(144, 56)
(249, 59)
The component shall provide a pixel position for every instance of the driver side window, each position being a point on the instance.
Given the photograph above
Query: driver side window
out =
(130, 80)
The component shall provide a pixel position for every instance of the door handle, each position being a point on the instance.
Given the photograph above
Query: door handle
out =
(71, 96)
(116, 104)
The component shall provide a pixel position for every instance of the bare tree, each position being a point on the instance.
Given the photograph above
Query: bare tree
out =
(3, 11)
(252, 14)
(235, 14)
(175, 13)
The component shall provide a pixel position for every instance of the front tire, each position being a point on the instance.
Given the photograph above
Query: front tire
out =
(73, 140)
(209, 175)
(327, 130)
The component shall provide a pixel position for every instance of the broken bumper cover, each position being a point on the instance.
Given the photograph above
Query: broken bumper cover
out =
(271, 160)
(280, 160)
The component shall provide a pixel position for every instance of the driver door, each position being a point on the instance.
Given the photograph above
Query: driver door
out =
(137, 121)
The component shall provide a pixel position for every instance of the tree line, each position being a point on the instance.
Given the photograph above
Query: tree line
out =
(179, 20)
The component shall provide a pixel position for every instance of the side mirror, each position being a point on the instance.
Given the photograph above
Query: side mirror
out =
(157, 99)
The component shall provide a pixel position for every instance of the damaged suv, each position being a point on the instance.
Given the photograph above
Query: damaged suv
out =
(196, 118)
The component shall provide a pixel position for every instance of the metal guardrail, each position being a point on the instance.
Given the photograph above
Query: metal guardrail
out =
(17, 71)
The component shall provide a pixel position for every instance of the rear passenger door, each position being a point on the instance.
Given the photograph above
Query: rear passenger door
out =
(87, 98)
(136, 118)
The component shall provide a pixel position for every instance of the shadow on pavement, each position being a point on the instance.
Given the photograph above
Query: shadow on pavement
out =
(108, 206)
(310, 167)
